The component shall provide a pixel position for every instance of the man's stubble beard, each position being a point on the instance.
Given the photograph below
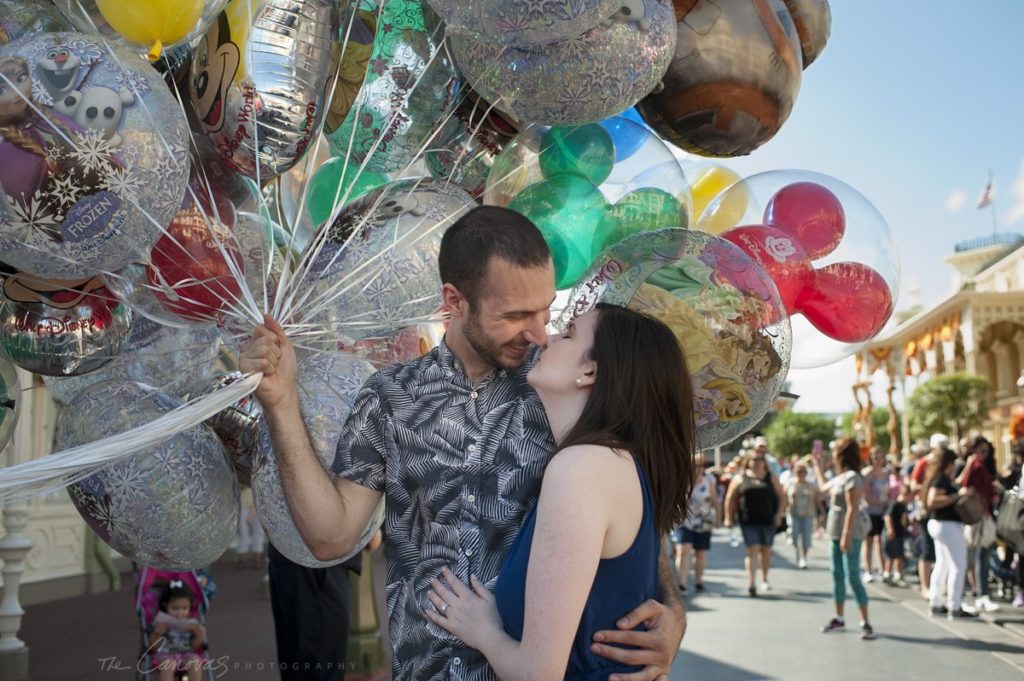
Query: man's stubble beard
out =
(484, 346)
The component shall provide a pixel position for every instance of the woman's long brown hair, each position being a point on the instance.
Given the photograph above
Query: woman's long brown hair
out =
(642, 402)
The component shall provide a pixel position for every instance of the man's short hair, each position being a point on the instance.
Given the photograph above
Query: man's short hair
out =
(481, 234)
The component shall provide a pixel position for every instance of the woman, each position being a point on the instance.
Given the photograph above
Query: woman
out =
(846, 527)
(946, 528)
(979, 474)
(756, 496)
(694, 537)
(618, 398)
(876, 495)
(802, 499)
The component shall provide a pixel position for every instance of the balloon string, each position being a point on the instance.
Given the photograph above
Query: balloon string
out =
(51, 473)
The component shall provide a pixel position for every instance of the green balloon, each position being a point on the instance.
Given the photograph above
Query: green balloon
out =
(567, 209)
(643, 210)
(586, 151)
(327, 187)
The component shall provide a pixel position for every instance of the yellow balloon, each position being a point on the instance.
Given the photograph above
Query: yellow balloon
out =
(707, 186)
(155, 23)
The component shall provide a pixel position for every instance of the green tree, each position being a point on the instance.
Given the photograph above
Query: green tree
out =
(794, 432)
(879, 421)
(951, 404)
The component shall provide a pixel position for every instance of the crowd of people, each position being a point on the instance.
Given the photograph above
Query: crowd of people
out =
(879, 513)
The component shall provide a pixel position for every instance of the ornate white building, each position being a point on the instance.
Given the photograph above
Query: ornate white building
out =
(979, 329)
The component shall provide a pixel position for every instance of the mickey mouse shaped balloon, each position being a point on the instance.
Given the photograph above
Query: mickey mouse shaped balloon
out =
(829, 252)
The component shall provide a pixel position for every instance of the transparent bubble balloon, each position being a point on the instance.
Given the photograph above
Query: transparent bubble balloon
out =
(179, 361)
(237, 426)
(150, 27)
(723, 308)
(571, 181)
(829, 251)
(10, 399)
(328, 383)
(583, 79)
(174, 505)
(374, 269)
(20, 18)
(93, 159)
(707, 181)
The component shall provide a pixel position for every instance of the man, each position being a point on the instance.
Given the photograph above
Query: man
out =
(457, 440)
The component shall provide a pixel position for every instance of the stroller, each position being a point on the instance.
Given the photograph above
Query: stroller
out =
(149, 584)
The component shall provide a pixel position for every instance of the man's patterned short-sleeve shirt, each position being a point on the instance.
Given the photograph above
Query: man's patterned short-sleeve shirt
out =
(460, 466)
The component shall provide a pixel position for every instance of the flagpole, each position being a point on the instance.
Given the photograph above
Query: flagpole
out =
(992, 204)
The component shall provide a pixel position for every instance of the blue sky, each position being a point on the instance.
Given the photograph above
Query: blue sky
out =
(912, 103)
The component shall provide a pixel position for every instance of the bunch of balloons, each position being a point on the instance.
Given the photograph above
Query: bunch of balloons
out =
(172, 171)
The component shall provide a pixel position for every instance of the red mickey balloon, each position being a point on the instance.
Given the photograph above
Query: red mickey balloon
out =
(848, 301)
(781, 256)
(811, 214)
(189, 269)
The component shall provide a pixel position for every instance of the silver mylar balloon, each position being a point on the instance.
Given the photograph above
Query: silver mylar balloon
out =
(467, 146)
(258, 81)
(384, 278)
(583, 80)
(526, 24)
(813, 19)
(61, 328)
(93, 157)
(173, 506)
(238, 427)
(409, 83)
(10, 400)
(328, 383)
(178, 361)
(20, 18)
(733, 81)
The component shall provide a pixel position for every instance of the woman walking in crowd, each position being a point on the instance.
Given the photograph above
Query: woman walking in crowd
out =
(947, 530)
(876, 497)
(846, 527)
(617, 394)
(979, 474)
(758, 500)
(802, 499)
(693, 539)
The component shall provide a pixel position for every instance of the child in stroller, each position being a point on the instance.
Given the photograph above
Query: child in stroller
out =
(171, 607)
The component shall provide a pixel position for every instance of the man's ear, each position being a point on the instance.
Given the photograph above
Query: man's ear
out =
(455, 304)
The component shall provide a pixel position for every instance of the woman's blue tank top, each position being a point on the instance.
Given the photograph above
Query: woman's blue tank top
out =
(620, 585)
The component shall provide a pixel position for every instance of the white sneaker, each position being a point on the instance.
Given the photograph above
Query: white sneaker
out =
(765, 586)
(802, 564)
(868, 578)
(984, 603)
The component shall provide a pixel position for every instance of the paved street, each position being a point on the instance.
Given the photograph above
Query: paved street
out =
(733, 637)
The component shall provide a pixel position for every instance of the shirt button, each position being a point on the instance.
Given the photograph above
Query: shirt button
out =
(469, 552)
(472, 448)
(457, 661)
(473, 394)
(471, 498)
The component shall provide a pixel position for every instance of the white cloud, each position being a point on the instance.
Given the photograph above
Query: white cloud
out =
(1016, 212)
(956, 200)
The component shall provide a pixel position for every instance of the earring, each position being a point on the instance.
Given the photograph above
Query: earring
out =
(579, 381)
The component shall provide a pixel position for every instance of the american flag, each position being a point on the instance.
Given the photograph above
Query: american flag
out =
(986, 196)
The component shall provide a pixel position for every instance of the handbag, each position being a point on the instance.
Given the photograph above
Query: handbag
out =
(982, 534)
(970, 507)
(1010, 521)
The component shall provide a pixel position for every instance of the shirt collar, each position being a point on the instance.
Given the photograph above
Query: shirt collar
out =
(449, 362)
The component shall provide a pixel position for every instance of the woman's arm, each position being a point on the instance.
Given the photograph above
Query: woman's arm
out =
(732, 501)
(938, 498)
(780, 494)
(581, 485)
(822, 482)
(715, 505)
(853, 495)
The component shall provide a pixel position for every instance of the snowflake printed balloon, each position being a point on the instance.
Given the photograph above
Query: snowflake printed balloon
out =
(86, 129)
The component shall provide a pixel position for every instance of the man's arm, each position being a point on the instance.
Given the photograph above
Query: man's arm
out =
(330, 515)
